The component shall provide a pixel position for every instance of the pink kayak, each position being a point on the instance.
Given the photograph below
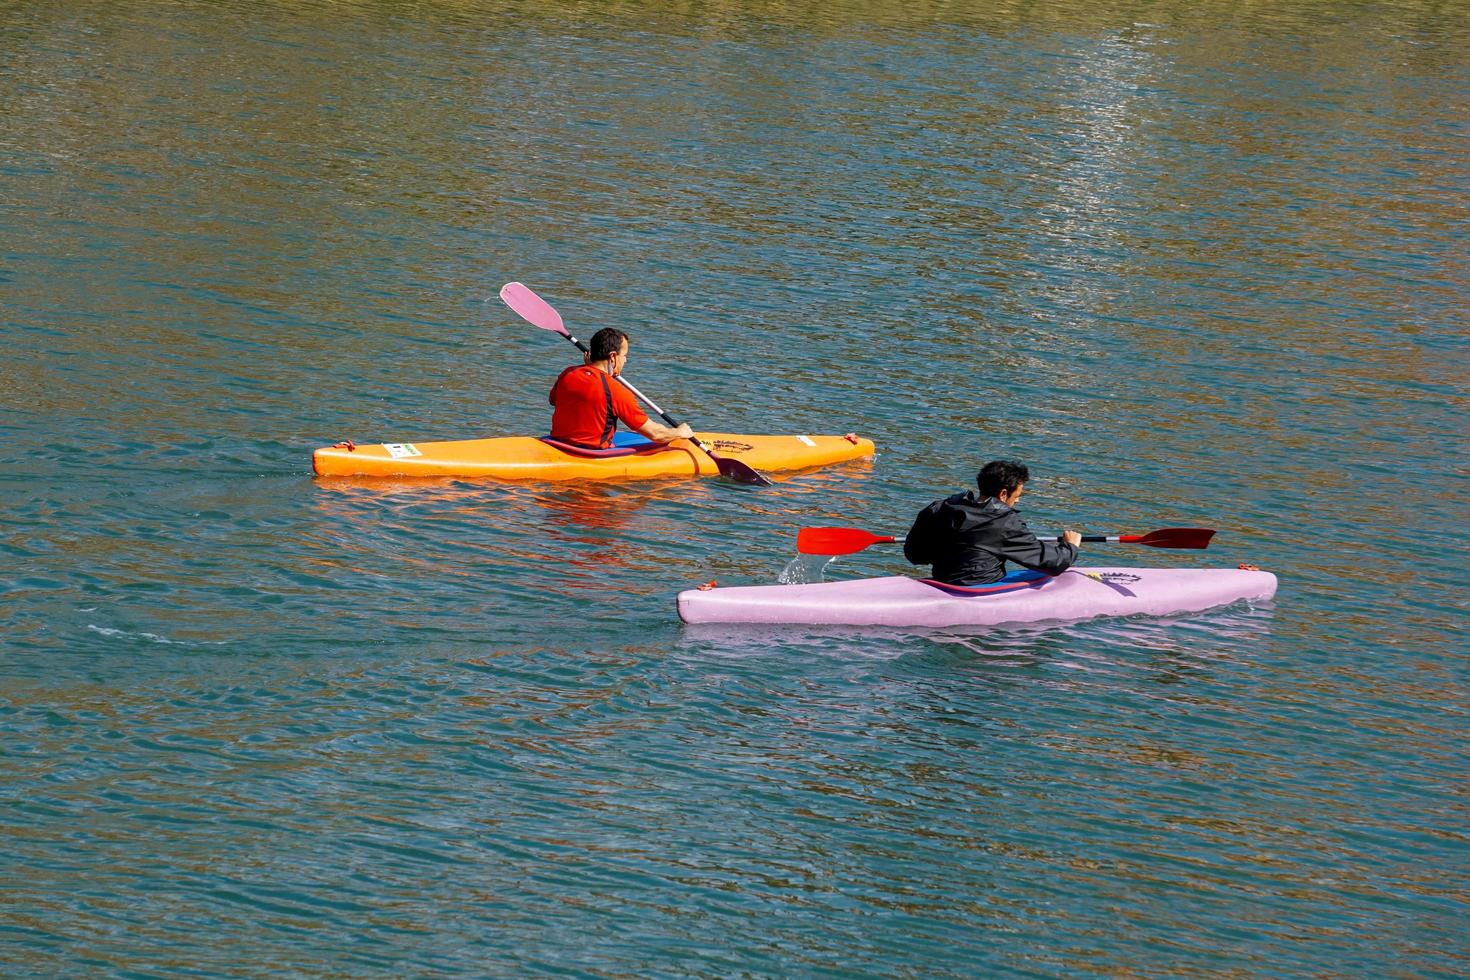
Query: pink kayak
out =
(1078, 593)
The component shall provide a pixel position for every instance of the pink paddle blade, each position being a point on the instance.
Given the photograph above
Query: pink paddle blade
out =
(531, 308)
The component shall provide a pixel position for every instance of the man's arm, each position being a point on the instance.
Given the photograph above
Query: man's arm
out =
(640, 422)
(659, 432)
(1029, 551)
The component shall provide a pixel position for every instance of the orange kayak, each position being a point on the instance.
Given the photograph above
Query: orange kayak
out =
(527, 458)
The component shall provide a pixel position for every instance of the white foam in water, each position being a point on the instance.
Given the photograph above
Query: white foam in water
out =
(153, 637)
(804, 569)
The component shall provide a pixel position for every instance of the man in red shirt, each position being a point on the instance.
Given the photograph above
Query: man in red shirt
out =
(587, 400)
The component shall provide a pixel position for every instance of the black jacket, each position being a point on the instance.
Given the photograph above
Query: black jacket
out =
(968, 541)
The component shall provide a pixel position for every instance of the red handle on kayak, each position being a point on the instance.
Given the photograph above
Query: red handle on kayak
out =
(539, 313)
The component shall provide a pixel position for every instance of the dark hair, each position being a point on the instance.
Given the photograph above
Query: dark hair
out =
(1001, 475)
(606, 342)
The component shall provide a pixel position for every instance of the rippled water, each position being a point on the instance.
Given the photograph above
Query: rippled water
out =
(1199, 264)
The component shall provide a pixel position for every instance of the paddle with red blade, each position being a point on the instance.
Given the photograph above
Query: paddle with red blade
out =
(849, 540)
(838, 540)
(539, 313)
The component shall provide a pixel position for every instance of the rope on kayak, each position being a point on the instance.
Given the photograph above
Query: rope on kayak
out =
(345, 444)
(708, 585)
(1248, 568)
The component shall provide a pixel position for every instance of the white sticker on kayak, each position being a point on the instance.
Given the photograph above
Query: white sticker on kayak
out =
(398, 450)
(808, 441)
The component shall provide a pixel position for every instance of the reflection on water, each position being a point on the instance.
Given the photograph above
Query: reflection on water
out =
(1152, 640)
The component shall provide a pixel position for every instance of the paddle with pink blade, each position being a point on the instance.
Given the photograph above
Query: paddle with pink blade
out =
(539, 313)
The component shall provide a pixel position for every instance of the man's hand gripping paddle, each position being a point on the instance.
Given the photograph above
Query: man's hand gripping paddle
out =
(539, 313)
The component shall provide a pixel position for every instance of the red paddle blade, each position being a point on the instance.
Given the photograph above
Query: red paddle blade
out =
(1174, 537)
(531, 308)
(836, 540)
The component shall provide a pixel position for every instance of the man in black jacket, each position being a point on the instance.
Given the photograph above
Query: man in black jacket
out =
(969, 537)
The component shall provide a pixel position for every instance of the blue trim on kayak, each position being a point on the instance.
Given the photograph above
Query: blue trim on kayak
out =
(630, 440)
(1015, 581)
(624, 444)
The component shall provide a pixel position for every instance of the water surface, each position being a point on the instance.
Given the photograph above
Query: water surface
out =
(1198, 264)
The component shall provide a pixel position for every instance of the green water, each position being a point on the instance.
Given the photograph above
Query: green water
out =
(1198, 264)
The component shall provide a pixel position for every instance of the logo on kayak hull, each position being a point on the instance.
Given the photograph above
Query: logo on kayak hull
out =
(731, 446)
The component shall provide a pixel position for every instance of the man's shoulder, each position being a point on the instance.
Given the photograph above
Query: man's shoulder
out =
(964, 500)
(1012, 521)
(575, 374)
